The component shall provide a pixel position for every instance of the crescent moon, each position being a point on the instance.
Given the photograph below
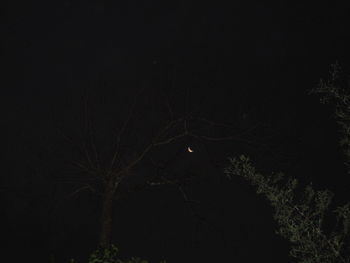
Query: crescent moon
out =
(189, 149)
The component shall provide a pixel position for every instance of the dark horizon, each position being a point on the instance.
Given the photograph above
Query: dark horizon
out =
(243, 65)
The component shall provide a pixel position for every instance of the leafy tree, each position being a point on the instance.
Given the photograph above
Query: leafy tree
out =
(304, 215)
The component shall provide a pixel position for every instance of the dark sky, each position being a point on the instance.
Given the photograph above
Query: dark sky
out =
(244, 63)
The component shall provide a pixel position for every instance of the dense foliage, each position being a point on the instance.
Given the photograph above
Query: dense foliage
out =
(301, 219)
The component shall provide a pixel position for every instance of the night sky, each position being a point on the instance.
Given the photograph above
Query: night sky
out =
(248, 65)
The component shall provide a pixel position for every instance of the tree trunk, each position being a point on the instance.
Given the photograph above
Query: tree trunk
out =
(106, 214)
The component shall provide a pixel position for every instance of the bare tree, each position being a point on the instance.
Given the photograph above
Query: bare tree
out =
(107, 172)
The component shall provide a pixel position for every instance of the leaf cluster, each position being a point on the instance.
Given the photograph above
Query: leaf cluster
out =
(336, 91)
(109, 255)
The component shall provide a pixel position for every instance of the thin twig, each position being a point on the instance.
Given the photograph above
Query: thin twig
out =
(88, 187)
(153, 143)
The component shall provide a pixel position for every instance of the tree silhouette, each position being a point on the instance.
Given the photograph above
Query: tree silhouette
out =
(140, 140)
